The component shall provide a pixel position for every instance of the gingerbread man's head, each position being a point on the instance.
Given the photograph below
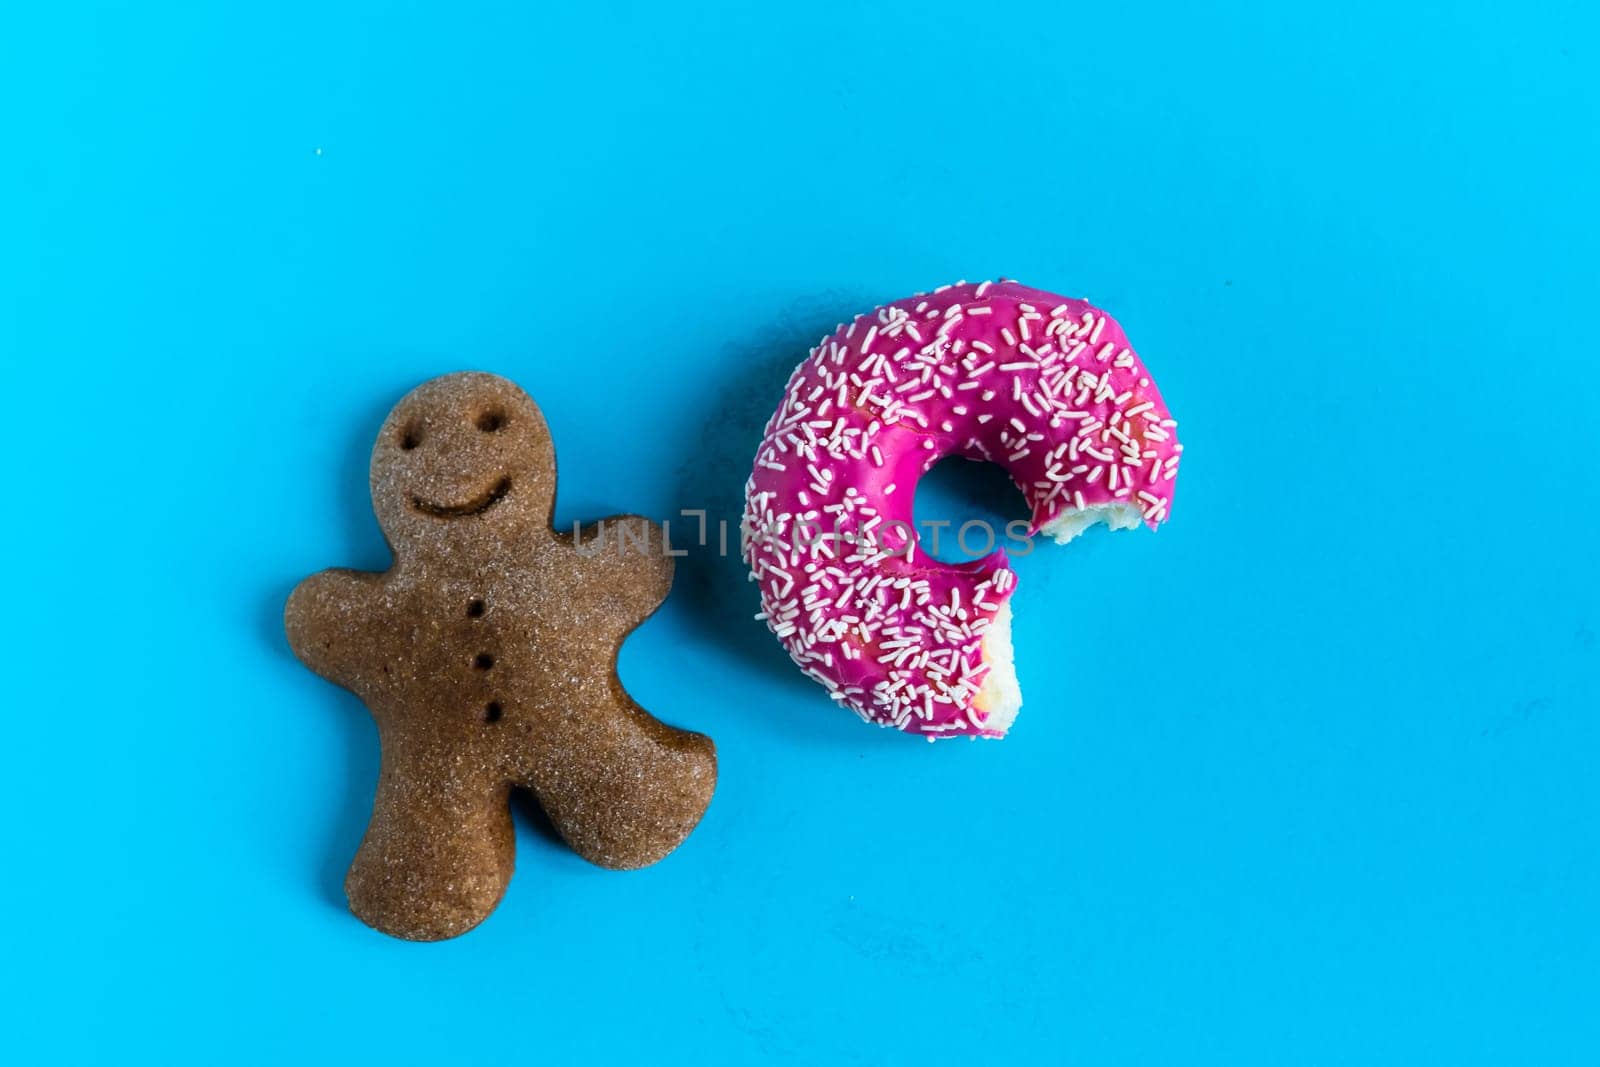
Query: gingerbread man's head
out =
(463, 457)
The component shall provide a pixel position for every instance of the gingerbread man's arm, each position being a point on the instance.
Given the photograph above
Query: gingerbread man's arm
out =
(332, 619)
(626, 559)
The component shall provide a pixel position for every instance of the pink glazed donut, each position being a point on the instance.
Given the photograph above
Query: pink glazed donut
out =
(1044, 386)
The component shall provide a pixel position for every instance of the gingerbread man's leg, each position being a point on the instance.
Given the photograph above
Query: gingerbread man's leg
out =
(439, 849)
(622, 788)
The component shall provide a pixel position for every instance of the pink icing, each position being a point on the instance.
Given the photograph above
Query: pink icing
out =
(1044, 386)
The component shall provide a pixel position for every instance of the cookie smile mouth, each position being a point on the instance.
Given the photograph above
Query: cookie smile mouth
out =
(477, 506)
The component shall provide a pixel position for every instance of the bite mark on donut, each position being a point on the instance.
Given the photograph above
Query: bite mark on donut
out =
(1069, 524)
(1000, 698)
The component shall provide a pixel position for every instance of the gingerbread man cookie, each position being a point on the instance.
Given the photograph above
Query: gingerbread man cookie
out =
(487, 654)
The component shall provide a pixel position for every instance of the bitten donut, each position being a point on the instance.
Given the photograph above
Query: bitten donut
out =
(1046, 387)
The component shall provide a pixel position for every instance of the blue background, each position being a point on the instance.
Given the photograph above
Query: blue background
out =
(1334, 802)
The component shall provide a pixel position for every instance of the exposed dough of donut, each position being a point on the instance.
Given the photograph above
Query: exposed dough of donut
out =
(1001, 696)
(1069, 524)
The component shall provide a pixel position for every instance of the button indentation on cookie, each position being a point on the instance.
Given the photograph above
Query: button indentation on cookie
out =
(493, 711)
(483, 661)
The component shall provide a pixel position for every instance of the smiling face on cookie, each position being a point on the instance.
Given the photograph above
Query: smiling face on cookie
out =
(464, 455)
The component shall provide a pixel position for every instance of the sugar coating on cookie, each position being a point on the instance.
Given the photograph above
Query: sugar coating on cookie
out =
(487, 654)
(1046, 387)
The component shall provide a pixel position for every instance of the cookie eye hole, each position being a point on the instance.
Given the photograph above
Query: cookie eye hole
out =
(493, 711)
(490, 421)
(476, 608)
(410, 438)
(483, 661)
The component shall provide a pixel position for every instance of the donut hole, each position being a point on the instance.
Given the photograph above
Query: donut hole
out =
(963, 507)
(490, 421)
(493, 712)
